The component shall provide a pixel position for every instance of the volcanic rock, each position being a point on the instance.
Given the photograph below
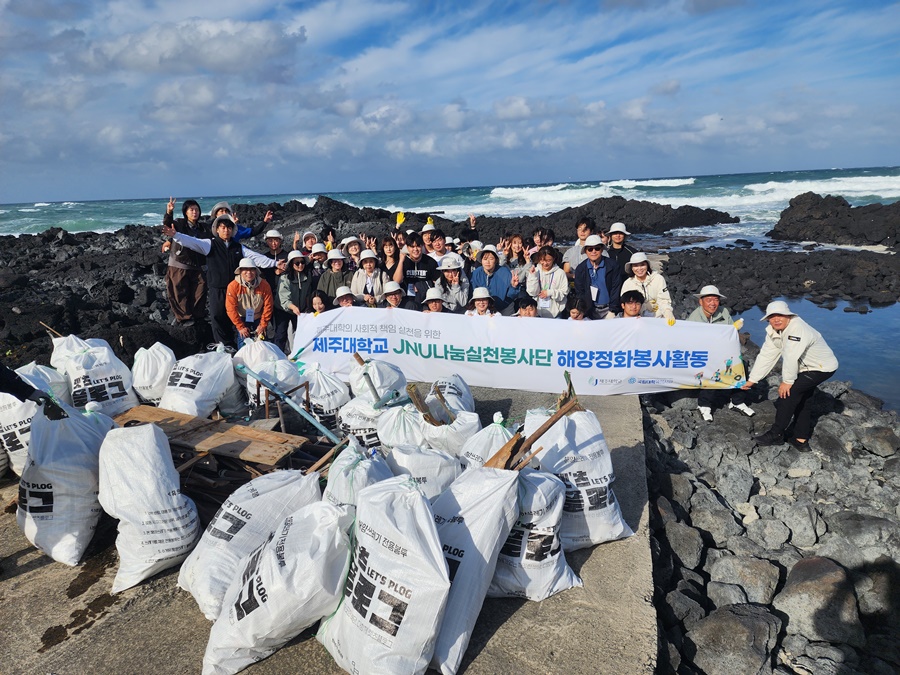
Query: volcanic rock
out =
(811, 217)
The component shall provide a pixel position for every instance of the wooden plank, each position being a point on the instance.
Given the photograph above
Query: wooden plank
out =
(217, 437)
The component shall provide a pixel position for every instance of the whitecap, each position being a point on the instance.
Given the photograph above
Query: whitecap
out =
(71, 203)
(849, 187)
(29, 210)
(42, 204)
(662, 182)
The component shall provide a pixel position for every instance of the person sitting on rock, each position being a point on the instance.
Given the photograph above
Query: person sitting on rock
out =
(295, 286)
(632, 305)
(807, 361)
(453, 285)
(434, 301)
(713, 312)
(548, 284)
(502, 284)
(249, 303)
(185, 277)
(481, 304)
(335, 276)
(368, 281)
(598, 281)
(618, 250)
(394, 297)
(652, 285)
(223, 255)
(343, 297)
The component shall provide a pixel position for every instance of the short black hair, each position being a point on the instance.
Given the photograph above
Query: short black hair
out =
(414, 238)
(525, 301)
(437, 234)
(588, 222)
(632, 296)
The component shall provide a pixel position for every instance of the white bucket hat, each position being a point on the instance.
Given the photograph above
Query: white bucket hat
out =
(490, 248)
(708, 290)
(392, 287)
(481, 293)
(293, 255)
(307, 235)
(318, 248)
(476, 245)
(618, 227)
(273, 234)
(245, 264)
(637, 258)
(428, 228)
(777, 307)
(592, 240)
(368, 254)
(432, 294)
(448, 262)
(346, 241)
(335, 254)
(341, 292)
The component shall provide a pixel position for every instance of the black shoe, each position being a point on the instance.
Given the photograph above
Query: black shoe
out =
(771, 437)
(802, 446)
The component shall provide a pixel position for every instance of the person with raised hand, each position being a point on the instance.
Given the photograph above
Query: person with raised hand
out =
(185, 278)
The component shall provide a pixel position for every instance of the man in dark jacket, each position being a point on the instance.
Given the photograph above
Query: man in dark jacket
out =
(280, 318)
(598, 280)
(223, 256)
(618, 250)
(185, 275)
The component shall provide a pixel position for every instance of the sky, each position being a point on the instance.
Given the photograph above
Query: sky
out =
(144, 98)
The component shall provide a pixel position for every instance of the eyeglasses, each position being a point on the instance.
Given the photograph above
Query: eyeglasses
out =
(299, 262)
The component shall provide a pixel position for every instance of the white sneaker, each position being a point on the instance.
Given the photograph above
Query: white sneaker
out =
(743, 407)
(705, 413)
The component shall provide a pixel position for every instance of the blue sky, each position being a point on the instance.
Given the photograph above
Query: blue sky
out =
(140, 99)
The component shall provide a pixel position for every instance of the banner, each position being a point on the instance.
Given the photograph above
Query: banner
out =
(621, 356)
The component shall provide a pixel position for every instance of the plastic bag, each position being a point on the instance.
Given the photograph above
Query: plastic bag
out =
(385, 377)
(58, 506)
(352, 470)
(400, 425)
(294, 579)
(451, 437)
(151, 370)
(575, 451)
(359, 418)
(483, 445)
(255, 354)
(397, 586)
(158, 526)
(95, 374)
(15, 432)
(197, 383)
(326, 394)
(242, 524)
(532, 563)
(46, 379)
(473, 517)
(433, 470)
(456, 393)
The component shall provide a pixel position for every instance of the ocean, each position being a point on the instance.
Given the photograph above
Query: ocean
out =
(757, 198)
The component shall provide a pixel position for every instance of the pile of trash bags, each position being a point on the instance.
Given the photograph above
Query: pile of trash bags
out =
(391, 547)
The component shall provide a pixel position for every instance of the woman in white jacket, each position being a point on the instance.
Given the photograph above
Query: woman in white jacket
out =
(652, 285)
(367, 284)
(548, 284)
(807, 361)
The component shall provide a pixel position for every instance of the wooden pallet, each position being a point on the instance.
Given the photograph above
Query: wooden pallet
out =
(217, 437)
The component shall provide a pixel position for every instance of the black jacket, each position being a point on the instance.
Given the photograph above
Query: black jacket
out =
(613, 279)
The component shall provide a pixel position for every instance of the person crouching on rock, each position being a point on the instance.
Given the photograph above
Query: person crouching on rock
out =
(223, 255)
(249, 303)
(807, 361)
(713, 312)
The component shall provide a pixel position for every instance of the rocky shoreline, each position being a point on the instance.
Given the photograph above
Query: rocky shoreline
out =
(765, 559)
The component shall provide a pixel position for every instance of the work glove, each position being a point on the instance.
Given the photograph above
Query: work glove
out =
(672, 321)
(401, 218)
(52, 411)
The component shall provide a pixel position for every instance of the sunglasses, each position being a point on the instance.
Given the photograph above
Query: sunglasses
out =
(591, 249)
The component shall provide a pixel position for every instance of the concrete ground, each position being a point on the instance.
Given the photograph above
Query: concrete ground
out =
(62, 620)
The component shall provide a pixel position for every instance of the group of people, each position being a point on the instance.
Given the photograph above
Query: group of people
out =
(600, 277)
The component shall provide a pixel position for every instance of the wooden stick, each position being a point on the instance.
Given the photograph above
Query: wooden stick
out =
(360, 360)
(328, 455)
(523, 462)
(500, 458)
(554, 418)
(440, 397)
(193, 460)
(56, 333)
(416, 398)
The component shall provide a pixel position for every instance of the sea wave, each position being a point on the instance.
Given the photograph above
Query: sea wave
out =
(29, 210)
(662, 182)
(849, 187)
(42, 204)
(71, 204)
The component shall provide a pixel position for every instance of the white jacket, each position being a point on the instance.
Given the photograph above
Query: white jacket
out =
(800, 346)
(657, 301)
(555, 282)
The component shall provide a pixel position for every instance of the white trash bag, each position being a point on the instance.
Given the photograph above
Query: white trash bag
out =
(359, 418)
(455, 392)
(95, 374)
(400, 425)
(158, 526)
(385, 377)
(473, 517)
(433, 470)
(293, 580)
(48, 380)
(480, 447)
(58, 507)
(197, 383)
(575, 451)
(254, 355)
(242, 524)
(150, 371)
(15, 432)
(397, 586)
(532, 563)
(352, 470)
(451, 437)
(326, 394)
